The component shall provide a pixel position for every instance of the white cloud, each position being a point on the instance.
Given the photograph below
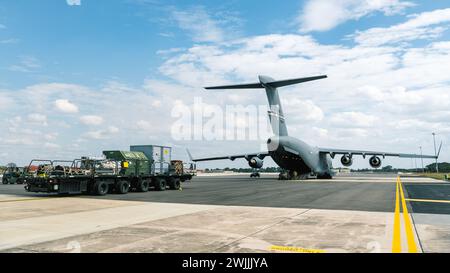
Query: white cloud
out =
(202, 27)
(156, 103)
(320, 132)
(302, 110)
(113, 130)
(50, 145)
(26, 64)
(91, 120)
(5, 102)
(73, 2)
(353, 119)
(144, 125)
(322, 15)
(426, 25)
(102, 134)
(51, 136)
(66, 106)
(38, 119)
(9, 41)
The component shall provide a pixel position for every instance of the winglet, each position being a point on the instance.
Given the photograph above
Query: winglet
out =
(439, 150)
(190, 155)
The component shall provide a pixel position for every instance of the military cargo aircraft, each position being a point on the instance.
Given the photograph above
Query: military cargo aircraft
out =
(299, 159)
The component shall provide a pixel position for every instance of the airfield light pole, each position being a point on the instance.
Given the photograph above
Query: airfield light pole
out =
(421, 158)
(435, 151)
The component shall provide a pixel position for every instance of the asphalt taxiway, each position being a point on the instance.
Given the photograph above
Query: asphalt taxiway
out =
(352, 213)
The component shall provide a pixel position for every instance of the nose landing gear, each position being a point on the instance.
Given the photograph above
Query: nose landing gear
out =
(255, 174)
(292, 175)
(324, 176)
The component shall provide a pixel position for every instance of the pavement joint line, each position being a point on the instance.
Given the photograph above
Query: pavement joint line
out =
(295, 249)
(29, 199)
(263, 229)
(427, 200)
(396, 241)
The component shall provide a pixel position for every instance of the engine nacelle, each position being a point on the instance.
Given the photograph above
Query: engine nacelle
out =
(375, 162)
(255, 162)
(346, 160)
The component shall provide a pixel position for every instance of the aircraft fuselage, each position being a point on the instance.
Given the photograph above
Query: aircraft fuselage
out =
(295, 155)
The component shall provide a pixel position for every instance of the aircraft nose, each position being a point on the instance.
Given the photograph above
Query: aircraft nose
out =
(273, 143)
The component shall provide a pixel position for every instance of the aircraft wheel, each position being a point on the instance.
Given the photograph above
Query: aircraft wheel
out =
(283, 176)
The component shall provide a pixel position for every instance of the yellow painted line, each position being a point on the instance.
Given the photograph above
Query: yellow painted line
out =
(428, 200)
(412, 247)
(295, 249)
(27, 199)
(396, 241)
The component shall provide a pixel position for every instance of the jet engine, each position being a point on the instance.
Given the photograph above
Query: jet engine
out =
(255, 162)
(346, 160)
(375, 162)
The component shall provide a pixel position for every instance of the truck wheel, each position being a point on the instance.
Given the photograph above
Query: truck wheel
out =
(5, 181)
(143, 186)
(160, 184)
(174, 184)
(122, 187)
(101, 188)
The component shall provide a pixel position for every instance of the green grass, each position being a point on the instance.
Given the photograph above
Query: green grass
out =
(439, 176)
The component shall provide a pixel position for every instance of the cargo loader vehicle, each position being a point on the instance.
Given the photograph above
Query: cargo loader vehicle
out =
(140, 169)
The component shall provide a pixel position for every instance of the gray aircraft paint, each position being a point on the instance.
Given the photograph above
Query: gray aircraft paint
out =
(290, 153)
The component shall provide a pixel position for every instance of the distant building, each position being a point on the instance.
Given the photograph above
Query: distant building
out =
(342, 170)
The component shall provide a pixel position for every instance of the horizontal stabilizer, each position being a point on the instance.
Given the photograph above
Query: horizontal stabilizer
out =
(277, 84)
(267, 82)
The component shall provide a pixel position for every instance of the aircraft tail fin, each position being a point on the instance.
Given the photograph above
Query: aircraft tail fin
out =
(275, 112)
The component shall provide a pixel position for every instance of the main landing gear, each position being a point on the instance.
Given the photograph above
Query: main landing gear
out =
(324, 176)
(294, 175)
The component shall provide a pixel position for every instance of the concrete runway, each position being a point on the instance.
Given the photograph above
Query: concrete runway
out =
(352, 213)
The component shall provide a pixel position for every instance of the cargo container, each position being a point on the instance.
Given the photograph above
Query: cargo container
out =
(160, 156)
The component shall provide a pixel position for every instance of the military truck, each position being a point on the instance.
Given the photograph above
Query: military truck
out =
(118, 172)
(12, 174)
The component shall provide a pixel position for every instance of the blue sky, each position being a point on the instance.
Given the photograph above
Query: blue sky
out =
(77, 76)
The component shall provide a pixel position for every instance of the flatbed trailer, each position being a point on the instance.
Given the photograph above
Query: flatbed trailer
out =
(101, 185)
(120, 172)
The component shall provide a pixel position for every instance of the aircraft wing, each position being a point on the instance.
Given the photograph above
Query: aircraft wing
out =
(247, 156)
(333, 152)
